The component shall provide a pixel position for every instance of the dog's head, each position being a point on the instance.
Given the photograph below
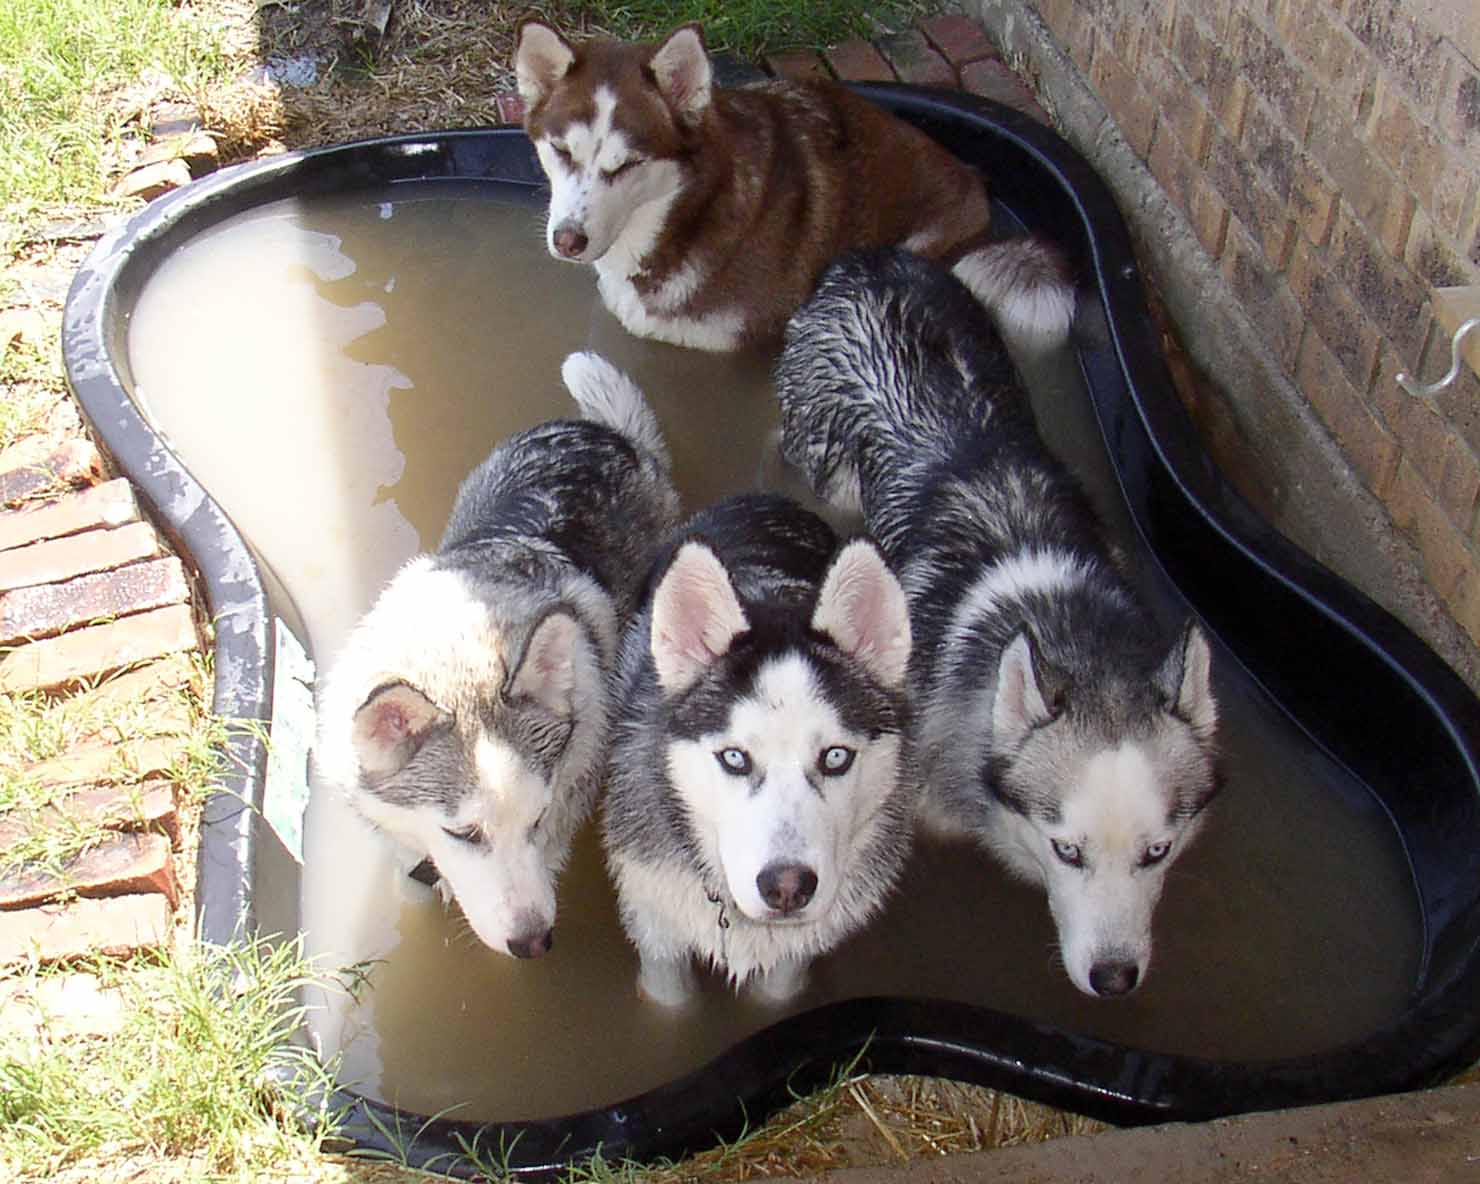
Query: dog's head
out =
(609, 121)
(464, 744)
(783, 742)
(1102, 800)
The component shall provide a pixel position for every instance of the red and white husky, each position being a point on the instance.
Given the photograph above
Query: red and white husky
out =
(710, 213)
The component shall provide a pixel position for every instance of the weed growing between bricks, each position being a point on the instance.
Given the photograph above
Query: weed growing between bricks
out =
(50, 746)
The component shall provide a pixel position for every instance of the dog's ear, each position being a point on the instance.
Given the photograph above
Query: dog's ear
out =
(696, 617)
(391, 726)
(681, 67)
(541, 58)
(548, 672)
(1029, 693)
(862, 608)
(1185, 681)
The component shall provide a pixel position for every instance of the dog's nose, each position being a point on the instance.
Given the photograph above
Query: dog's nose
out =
(786, 887)
(532, 942)
(1114, 978)
(569, 241)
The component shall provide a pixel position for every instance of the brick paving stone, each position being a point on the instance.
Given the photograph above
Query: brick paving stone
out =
(54, 560)
(63, 1005)
(152, 806)
(915, 60)
(118, 926)
(126, 761)
(121, 865)
(157, 683)
(858, 61)
(174, 119)
(797, 65)
(99, 649)
(74, 463)
(153, 180)
(994, 79)
(48, 609)
(110, 504)
(510, 107)
(959, 38)
(197, 149)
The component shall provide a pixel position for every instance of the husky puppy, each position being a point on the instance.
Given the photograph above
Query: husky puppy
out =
(709, 212)
(1054, 725)
(467, 716)
(759, 803)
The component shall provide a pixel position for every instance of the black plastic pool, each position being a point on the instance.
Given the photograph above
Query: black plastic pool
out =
(1357, 687)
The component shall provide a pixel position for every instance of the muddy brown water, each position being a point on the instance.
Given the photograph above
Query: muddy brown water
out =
(330, 370)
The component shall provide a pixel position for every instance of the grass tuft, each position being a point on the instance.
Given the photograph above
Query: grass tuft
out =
(750, 28)
(197, 1070)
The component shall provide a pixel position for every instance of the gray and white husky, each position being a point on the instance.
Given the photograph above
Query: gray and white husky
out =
(759, 806)
(467, 715)
(1054, 725)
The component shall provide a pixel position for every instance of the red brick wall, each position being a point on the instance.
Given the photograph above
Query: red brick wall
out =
(1327, 156)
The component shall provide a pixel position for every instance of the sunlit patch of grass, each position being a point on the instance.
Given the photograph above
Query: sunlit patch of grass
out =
(61, 62)
(203, 1067)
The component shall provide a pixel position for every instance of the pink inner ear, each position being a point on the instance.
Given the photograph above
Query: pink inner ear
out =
(680, 89)
(390, 722)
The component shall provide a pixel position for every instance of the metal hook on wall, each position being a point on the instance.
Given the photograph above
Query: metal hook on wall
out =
(1428, 390)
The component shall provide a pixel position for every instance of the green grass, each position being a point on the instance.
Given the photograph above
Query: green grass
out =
(748, 28)
(61, 61)
(196, 1072)
(35, 728)
(30, 380)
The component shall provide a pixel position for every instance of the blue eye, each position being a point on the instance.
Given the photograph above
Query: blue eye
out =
(1069, 853)
(836, 760)
(1155, 853)
(734, 761)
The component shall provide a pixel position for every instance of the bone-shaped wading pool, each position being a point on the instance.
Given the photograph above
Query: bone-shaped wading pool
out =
(1321, 940)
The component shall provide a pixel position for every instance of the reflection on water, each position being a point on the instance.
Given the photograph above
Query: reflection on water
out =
(332, 370)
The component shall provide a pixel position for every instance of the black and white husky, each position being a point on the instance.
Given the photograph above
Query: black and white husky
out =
(467, 715)
(1054, 725)
(759, 807)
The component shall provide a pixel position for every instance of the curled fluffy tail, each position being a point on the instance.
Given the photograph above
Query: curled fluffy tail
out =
(1026, 286)
(608, 396)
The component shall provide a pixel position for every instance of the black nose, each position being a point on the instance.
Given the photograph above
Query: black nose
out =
(569, 241)
(532, 944)
(786, 887)
(1111, 978)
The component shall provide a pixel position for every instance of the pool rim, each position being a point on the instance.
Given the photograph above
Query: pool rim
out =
(896, 1035)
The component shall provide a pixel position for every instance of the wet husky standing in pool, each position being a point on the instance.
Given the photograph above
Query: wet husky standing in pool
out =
(467, 716)
(1055, 725)
(760, 801)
